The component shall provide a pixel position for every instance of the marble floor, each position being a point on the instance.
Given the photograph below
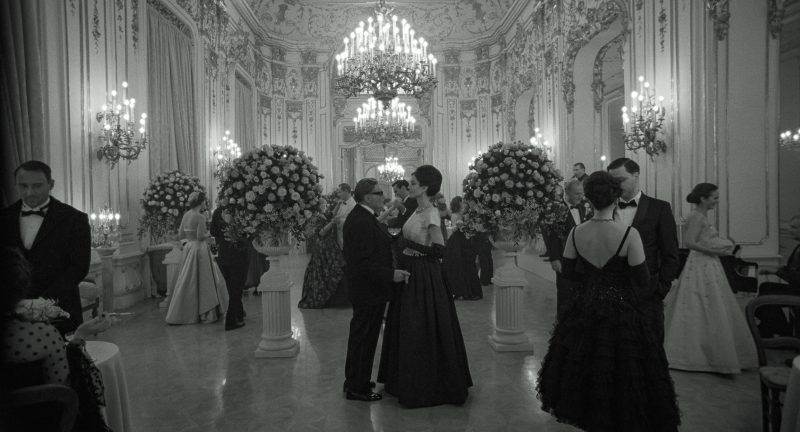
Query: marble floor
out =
(201, 378)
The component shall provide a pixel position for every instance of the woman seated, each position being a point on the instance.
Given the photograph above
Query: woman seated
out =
(35, 353)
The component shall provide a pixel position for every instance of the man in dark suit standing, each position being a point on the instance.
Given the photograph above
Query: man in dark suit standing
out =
(371, 279)
(655, 222)
(555, 238)
(233, 261)
(54, 237)
(773, 320)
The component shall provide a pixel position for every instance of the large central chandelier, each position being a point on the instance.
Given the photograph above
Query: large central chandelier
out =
(384, 59)
(391, 171)
(383, 126)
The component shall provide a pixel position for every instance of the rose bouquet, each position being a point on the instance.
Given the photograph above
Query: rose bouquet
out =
(511, 190)
(268, 192)
(165, 201)
(39, 310)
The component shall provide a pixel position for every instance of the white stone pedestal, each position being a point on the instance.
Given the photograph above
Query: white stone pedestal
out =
(276, 331)
(509, 282)
(172, 260)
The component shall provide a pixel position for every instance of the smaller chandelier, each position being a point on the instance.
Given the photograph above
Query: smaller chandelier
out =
(537, 140)
(644, 121)
(391, 171)
(119, 129)
(384, 59)
(225, 153)
(790, 140)
(105, 228)
(383, 126)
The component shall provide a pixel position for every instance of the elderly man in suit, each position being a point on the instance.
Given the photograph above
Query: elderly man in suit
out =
(367, 250)
(655, 222)
(579, 212)
(54, 237)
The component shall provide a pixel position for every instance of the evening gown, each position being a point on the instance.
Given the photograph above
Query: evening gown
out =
(705, 329)
(200, 293)
(325, 268)
(423, 359)
(605, 369)
(460, 268)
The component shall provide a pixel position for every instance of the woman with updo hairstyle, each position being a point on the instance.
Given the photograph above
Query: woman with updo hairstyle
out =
(423, 359)
(604, 332)
(200, 293)
(691, 343)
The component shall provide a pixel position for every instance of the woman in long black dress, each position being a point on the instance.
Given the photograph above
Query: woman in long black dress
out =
(423, 360)
(460, 270)
(606, 369)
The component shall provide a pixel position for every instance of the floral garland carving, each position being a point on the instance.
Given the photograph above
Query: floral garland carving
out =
(776, 11)
(719, 13)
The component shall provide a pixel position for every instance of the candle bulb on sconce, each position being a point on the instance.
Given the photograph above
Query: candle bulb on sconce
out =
(790, 140)
(225, 153)
(105, 228)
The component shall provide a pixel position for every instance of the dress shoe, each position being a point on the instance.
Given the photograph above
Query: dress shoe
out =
(344, 386)
(369, 397)
(234, 325)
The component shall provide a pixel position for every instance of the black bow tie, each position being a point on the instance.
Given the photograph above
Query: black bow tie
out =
(39, 212)
(631, 203)
(576, 207)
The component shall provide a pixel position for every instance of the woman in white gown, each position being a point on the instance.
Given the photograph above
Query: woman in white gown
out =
(200, 293)
(705, 328)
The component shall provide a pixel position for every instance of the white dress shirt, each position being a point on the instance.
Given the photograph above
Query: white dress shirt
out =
(627, 214)
(29, 225)
(576, 214)
(341, 216)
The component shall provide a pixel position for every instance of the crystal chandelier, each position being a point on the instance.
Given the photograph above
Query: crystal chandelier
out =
(391, 171)
(119, 129)
(225, 153)
(537, 140)
(384, 59)
(790, 140)
(644, 121)
(105, 228)
(379, 125)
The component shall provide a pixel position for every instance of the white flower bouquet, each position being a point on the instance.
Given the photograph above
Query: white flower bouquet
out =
(165, 201)
(509, 189)
(268, 192)
(39, 310)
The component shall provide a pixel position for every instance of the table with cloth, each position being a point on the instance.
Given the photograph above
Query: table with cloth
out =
(107, 358)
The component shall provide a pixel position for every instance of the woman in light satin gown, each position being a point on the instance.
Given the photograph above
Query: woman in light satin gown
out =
(200, 294)
(705, 329)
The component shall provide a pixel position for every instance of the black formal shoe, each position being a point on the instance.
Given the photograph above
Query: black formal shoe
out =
(234, 325)
(369, 397)
(371, 385)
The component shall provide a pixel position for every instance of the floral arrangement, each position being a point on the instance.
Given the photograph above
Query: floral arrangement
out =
(268, 192)
(512, 189)
(165, 201)
(39, 310)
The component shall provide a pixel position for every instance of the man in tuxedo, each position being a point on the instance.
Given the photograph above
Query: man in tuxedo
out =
(656, 225)
(233, 261)
(342, 210)
(579, 171)
(404, 204)
(54, 237)
(371, 278)
(773, 319)
(555, 238)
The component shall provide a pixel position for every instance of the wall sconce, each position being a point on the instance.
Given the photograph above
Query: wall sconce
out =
(118, 132)
(790, 140)
(105, 228)
(225, 153)
(537, 140)
(644, 121)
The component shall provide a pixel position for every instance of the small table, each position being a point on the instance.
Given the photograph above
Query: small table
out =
(790, 420)
(108, 360)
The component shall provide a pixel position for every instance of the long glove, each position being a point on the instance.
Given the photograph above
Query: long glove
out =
(434, 250)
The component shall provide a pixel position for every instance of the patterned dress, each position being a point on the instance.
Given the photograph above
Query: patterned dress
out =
(324, 270)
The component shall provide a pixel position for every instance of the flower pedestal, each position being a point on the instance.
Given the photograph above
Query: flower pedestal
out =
(509, 282)
(276, 330)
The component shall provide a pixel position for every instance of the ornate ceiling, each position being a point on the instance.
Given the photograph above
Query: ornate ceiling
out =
(321, 24)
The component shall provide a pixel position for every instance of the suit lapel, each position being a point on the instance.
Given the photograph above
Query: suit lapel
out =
(13, 221)
(49, 223)
(641, 211)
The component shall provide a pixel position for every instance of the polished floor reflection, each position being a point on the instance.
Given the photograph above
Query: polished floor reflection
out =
(201, 378)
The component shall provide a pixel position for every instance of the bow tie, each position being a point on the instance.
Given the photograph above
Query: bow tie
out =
(631, 203)
(39, 212)
(576, 207)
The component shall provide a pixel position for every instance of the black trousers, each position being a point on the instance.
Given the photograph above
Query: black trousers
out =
(484, 249)
(365, 327)
(772, 319)
(234, 275)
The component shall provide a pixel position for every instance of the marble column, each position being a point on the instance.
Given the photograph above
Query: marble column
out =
(276, 335)
(509, 282)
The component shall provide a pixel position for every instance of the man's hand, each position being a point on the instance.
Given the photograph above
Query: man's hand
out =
(556, 265)
(401, 276)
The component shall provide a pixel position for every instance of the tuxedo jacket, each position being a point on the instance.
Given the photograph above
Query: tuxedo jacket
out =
(59, 256)
(410, 204)
(368, 256)
(656, 226)
(791, 271)
(555, 238)
(230, 253)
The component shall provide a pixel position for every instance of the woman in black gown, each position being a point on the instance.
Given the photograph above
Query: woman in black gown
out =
(606, 369)
(423, 360)
(460, 270)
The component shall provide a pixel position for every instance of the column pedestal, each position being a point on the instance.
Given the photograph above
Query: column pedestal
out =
(509, 282)
(276, 331)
